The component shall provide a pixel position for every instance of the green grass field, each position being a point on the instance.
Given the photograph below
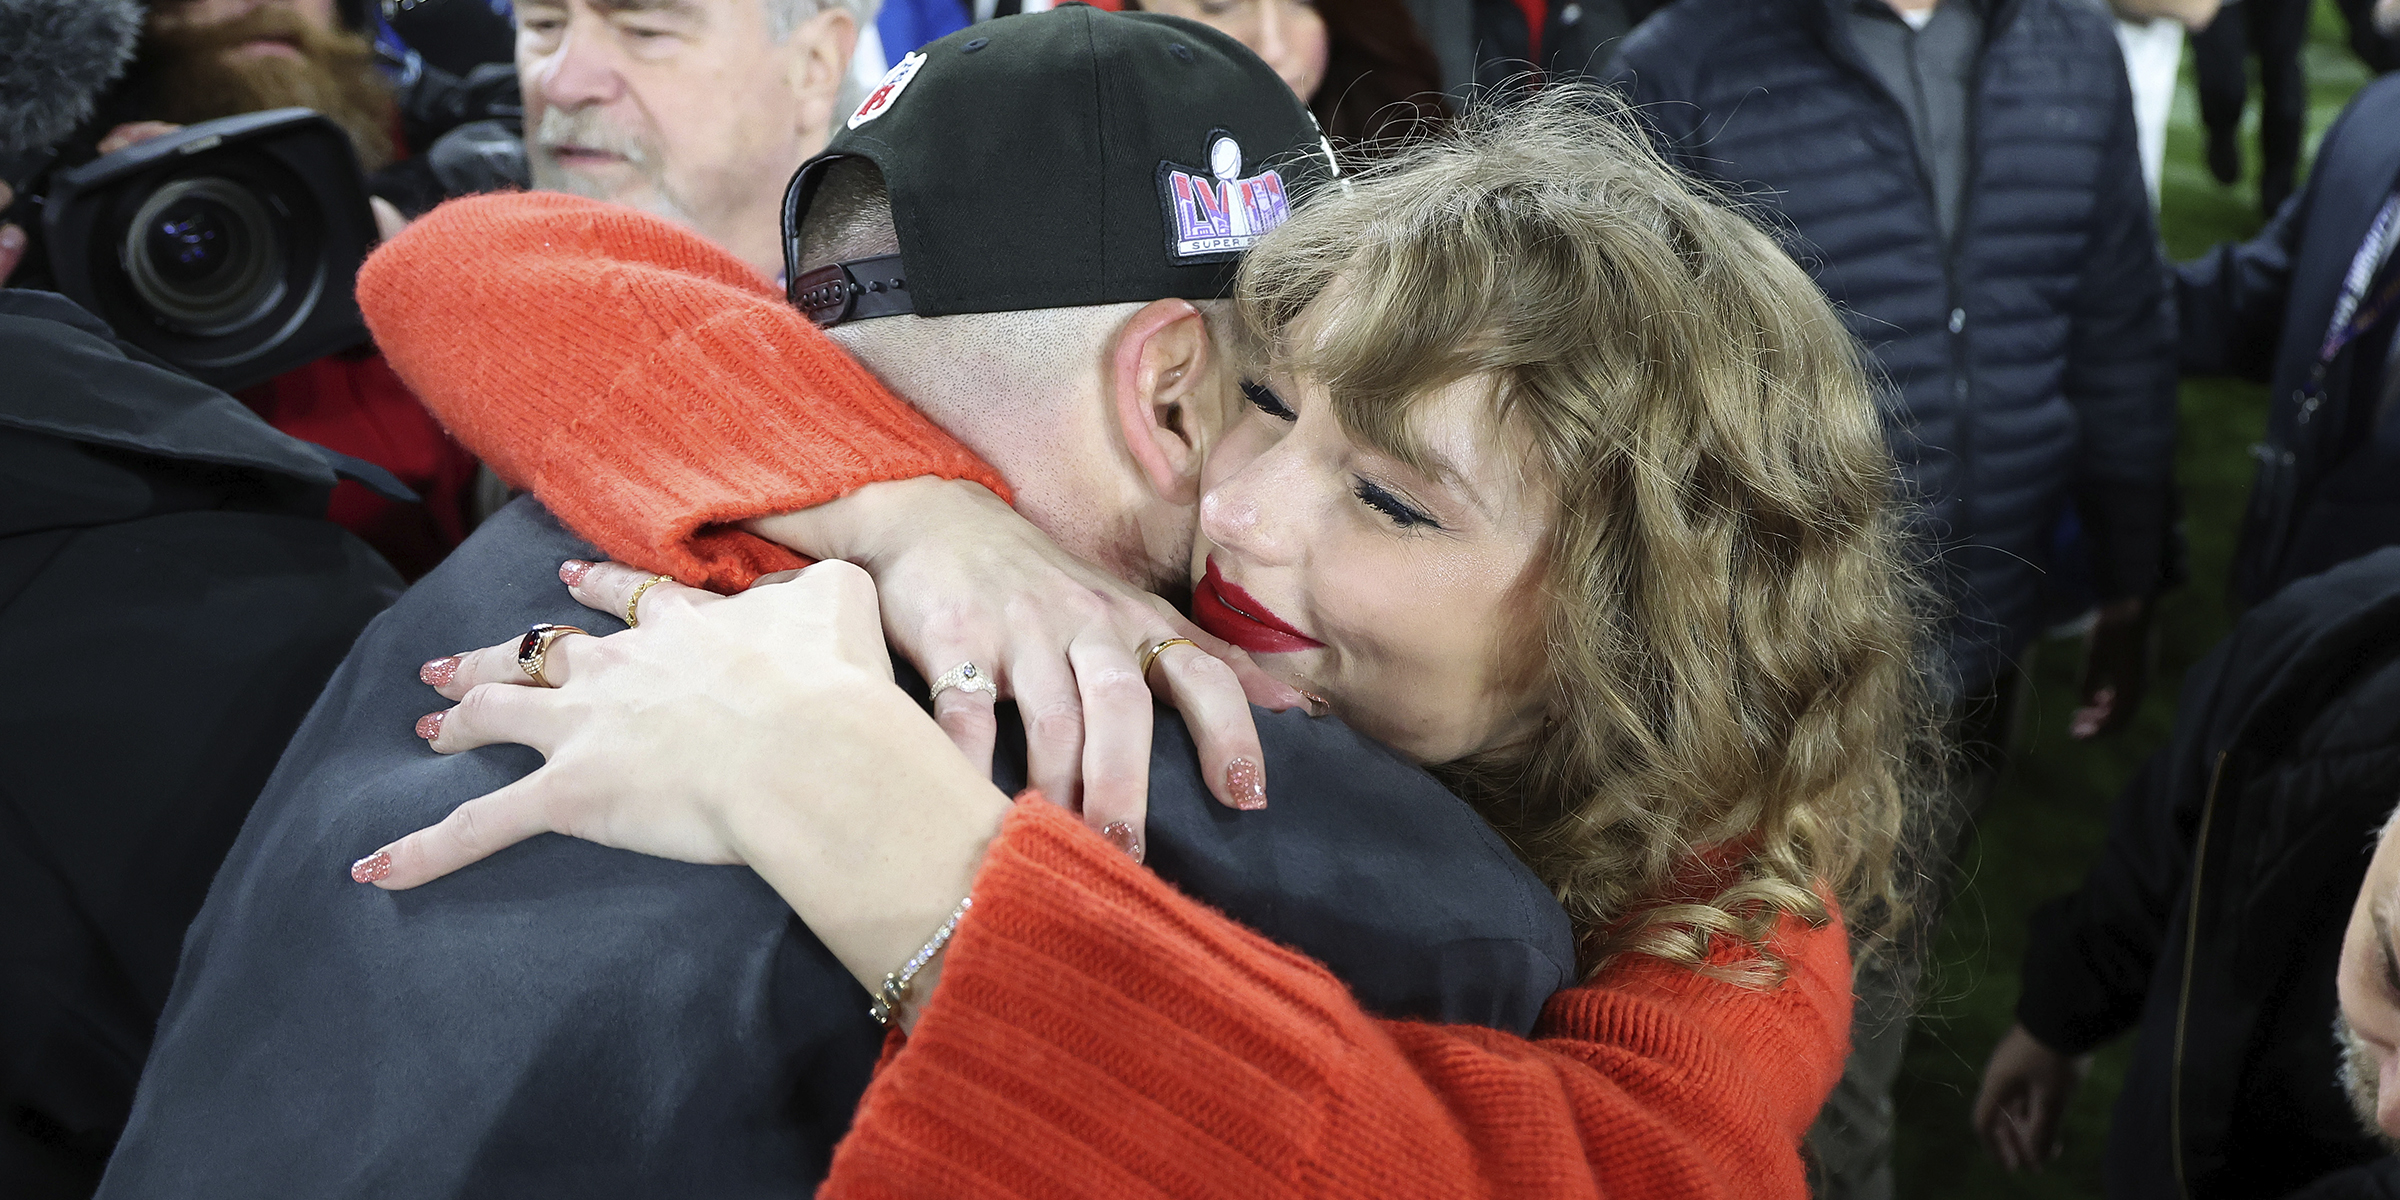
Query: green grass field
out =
(2047, 819)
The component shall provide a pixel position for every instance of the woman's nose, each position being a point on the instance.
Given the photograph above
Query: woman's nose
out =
(1270, 32)
(1251, 512)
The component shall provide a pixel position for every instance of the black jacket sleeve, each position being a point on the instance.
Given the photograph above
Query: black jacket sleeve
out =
(2090, 955)
(2229, 302)
(2120, 376)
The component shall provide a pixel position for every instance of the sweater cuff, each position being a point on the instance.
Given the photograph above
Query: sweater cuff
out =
(767, 423)
(2061, 1000)
(1022, 1075)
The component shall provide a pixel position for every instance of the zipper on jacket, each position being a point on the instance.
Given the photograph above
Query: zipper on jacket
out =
(2183, 997)
(1962, 386)
(1996, 21)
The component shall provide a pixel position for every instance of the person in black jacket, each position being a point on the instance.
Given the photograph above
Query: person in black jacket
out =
(2213, 919)
(2311, 305)
(171, 601)
(1964, 179)
(2272, 32)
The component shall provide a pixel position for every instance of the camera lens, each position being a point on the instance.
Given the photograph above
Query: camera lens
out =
(205, 255)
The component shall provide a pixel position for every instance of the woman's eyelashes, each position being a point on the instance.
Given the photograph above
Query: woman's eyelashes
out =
(1401, 512)
(1266, 401)
(1374, 495)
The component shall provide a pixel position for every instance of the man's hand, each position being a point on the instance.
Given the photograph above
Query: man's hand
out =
(2116, 669)
(963, 578)
(2026, 1087)
(134, 133)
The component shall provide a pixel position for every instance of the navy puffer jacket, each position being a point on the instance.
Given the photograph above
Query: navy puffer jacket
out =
(2033, 361)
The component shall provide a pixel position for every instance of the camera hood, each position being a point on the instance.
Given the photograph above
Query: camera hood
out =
(228, 248)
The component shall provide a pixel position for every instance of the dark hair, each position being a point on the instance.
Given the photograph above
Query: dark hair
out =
(849, 216)
(1382, 81)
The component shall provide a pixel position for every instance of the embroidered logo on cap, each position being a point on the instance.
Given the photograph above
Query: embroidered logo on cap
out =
(1214, 215)
(881, 98)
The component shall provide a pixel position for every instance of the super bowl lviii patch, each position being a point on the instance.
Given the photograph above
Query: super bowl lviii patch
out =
(881, 98)
(1214, 215)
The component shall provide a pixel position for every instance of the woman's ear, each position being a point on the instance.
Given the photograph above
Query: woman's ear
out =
(1162, 378)
(820, 60)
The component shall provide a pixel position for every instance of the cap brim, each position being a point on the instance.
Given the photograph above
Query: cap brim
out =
(797, 196)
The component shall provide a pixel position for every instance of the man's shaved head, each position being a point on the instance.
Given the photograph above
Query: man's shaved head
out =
(1027, 390)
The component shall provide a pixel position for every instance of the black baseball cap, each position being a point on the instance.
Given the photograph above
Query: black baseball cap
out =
(1060, 159)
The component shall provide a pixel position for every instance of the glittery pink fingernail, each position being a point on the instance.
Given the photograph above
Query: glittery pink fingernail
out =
(439, 672)
(572, 571)
(1247, 783)
(1121, 835)
(371, 868)
(429, 726)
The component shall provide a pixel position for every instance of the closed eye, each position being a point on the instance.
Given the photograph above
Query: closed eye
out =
(1266, 401)
(1400, 512)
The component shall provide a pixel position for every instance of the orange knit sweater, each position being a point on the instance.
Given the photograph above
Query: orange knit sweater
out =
(1095, 1033)
(650, 388)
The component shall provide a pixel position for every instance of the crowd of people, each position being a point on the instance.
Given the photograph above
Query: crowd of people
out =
(1185, 597)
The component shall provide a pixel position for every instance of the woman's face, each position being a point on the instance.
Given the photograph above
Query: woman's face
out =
(1287, 33)
(1409, 602)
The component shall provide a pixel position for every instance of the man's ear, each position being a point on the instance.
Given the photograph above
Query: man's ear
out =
(820, 59)
(1160, 379)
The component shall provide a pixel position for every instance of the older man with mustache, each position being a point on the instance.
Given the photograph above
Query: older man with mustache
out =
(694, 110)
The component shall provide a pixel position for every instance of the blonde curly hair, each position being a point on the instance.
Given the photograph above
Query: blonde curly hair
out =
(1732, 633)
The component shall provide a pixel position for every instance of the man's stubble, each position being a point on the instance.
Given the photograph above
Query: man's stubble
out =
(589, 129)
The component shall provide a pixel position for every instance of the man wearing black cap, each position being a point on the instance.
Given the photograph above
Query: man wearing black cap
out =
(566, 1017)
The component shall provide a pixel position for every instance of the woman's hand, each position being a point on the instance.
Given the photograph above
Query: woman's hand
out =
(963, 578)
(761, 729)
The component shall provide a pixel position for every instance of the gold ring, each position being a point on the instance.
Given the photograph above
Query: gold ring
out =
(633, 619)
(1150, 655)
(534, 648)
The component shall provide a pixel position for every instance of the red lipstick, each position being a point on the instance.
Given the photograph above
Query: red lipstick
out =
(1235, 615)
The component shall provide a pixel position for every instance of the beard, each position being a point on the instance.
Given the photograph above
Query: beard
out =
(193, 74)
(587, 129)
(2359, 1080)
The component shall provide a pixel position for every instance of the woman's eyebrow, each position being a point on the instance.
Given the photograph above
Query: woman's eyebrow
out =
(1444, 471)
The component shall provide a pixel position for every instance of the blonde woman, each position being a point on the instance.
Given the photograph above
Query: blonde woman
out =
(1561, 479)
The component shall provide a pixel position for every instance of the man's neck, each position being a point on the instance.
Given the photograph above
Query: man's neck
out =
(756, 240)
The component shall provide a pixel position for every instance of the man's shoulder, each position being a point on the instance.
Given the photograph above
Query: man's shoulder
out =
(1690, 37)
(2370, 123)
(1366, 862)
(550, 1001)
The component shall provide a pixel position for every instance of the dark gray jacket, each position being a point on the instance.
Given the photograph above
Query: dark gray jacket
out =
(564, 1019)
(2033, 355)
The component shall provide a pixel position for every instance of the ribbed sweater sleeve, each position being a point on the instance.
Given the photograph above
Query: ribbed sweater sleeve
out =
(1095, 1033)
(650, 388)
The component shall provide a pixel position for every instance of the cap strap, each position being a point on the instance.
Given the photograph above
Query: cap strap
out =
(856, 290)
